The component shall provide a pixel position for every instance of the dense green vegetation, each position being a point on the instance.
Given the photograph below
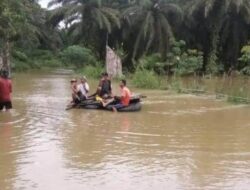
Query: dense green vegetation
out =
(156, 37)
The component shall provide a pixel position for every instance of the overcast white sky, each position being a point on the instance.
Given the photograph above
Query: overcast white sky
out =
(44, 3)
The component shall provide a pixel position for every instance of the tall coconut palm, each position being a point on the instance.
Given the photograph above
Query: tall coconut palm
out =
(17, 19)
(88, 21)
(149, 21)
(235, 31)
(211, 14)
(208, 14)
(13, 19)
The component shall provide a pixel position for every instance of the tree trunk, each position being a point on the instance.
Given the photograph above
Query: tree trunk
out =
(1, 60)
(6, 56)
(215, 24)
(212, 52)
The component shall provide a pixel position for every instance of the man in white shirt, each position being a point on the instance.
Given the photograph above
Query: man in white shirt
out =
(83, 88)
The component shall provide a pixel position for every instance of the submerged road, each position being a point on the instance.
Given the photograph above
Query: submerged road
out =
(179, 142)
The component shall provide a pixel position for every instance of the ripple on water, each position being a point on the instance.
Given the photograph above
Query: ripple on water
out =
(204, 146)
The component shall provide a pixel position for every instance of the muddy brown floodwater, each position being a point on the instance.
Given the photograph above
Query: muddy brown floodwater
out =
(182, 142)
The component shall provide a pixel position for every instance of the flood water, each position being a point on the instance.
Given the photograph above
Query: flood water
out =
(182, 142)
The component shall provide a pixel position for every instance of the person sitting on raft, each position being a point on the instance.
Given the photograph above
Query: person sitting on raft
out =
(123, 99)
(104, 89)
(83, 89)
(74, 92)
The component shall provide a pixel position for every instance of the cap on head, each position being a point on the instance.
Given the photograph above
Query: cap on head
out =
(73, 80)
(83, 78)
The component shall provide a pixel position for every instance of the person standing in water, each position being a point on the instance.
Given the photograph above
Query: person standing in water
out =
(5, 91)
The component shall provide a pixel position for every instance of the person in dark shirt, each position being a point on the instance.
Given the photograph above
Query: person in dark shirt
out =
(104, 89)
(5, 91)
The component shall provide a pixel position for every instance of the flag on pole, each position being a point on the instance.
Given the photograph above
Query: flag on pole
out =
(113, 63)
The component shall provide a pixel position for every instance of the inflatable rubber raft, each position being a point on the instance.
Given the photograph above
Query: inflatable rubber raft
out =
(134, 105)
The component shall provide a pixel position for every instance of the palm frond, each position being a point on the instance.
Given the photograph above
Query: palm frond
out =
(147, 23)
(130, 13)
(107, 25)
(54, 2)
(75, 26)
(98, 18)
(208, 6)
(137, 43)
(166, 26)
(113, 15)
(151, 35)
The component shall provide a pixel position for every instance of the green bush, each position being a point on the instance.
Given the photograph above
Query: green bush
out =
(92, 71)
(182, 61)
(244, 65)
(42, 54)
(190, 62)
(239, 97)
(53, 63)
(152, 63)
(19, 66)
(37, 59)
(143, 78)
(176, 85)
(18, 55)
(78, 56)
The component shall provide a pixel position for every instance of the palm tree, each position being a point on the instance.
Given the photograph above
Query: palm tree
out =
(88, 21)
(150, 25)
(235, 31)
(17, 19)
(40, 32)
(11, 23)
(210, 16)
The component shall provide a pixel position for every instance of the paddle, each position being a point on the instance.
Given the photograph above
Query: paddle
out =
(69, 107)
(143, 96)
(139, 96)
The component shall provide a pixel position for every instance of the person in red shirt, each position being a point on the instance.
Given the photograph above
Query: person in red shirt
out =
(5, 92)
(124, 98)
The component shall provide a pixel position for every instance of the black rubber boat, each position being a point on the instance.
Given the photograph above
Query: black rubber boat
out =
(134, 105)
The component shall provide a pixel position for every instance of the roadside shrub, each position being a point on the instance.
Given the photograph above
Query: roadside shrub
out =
(53, 63)
(78, 56)
(182, 61)
(143, 78)
(42, 54)
(18, 55)
(176, 85)
(36, 59)
(152, 63)
(189, 63)
(92, 71)
(19, 66)
(244, 60)
(212, 67)
(239, 97)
